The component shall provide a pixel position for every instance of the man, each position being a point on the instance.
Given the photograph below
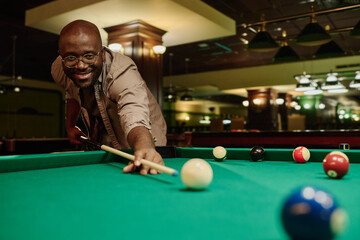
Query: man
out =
(108, 90)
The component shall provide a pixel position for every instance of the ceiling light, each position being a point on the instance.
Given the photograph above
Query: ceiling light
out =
(340, 90)
(330, 49)
(357, 77)
(356, 31)
(245, 103)
(279, 101)
(316, 91)
(307, 106)
(302, 87)
(115, 47)
(332, 85)
(304, 78)
(262, 42)
(355, 83)
(244, 40)
(331, 77)
(159, 49)
(186, 97)
(16, 89)
(170, 95)
(322, 106)
(293, 104)
(2, 90)
(313, 34)
(285, 54)
(203, 45)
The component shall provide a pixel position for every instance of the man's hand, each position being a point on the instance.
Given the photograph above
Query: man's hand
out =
(74, 135)
(72, 114)
(142, 143)
(148, 154)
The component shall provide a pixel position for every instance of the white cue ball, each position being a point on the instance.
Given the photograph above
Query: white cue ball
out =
(219, 153)
(196, 174)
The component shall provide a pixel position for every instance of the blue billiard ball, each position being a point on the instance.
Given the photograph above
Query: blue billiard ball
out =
(312, 213)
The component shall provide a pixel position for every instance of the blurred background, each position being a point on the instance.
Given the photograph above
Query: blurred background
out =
(227, 66)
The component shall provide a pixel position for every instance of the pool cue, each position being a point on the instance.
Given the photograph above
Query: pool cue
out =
(145, 162)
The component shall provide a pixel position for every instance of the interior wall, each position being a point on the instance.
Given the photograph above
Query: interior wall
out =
(37, 111)
(259, 76)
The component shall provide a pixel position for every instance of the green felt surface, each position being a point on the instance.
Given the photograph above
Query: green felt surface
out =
(96, 200)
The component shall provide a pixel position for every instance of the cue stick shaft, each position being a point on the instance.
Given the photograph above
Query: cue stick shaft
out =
(148, 163)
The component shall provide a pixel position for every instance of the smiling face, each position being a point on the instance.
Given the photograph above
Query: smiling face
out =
(77, 39)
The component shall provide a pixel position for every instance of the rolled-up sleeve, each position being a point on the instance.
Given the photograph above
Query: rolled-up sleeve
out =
(128, 90)
(57, 72)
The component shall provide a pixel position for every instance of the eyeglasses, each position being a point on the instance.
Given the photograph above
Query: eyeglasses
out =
(72, 61)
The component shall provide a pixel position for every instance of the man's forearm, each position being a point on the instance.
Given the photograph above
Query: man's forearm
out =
(140, 138)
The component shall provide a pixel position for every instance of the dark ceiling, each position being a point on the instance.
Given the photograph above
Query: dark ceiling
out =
(35, 49)
(230, 52)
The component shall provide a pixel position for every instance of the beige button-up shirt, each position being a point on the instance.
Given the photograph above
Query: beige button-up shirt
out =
(122, 98)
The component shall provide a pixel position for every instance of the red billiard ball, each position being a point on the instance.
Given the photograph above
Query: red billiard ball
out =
(301, 154)
(336, 164)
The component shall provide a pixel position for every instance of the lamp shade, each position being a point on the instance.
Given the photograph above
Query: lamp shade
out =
(330, 49)
(285, 54)
(186, 97)
(332, 85)
(312, 35)
(356, 31)
(262, 42)
(170, 94)
(305, 86)
(159, 49)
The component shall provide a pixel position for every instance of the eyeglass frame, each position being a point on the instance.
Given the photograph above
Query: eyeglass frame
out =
(78, 59)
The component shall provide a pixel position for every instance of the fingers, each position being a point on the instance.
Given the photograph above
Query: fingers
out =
(74, 134)
(144, 170)
(130, 167)
(150, 155)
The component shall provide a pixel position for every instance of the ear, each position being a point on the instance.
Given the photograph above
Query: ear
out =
(103, 53)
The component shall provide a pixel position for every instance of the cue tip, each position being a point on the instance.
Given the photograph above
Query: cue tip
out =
(175, 173)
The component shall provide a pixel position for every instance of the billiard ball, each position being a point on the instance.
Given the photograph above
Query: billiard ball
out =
(301, 154)
(257, 153)
(196, 174)
(312, 213)
(344, 146)
(219, 153)
(336, 164)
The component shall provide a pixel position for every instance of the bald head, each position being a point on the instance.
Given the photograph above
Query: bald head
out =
(79, 29)
(78, 39)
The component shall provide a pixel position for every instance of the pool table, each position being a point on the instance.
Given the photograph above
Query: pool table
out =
(86, 195)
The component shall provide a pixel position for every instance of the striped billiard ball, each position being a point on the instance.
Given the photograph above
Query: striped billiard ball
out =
(336, 164)
(301, 154)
